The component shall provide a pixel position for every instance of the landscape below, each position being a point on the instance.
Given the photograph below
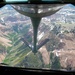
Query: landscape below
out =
(56, 40)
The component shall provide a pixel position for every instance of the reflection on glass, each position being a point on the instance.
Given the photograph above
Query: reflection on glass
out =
(55, 40)
(51, 0)
(36, 12)
(15, 0)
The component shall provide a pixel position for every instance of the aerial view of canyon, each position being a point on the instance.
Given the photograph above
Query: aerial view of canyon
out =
(55, 40)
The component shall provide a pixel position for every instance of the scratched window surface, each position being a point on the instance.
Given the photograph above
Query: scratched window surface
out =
(55, 39)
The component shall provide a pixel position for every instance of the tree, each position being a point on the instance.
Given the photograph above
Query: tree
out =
(2, 49)
(15, 28)
(31, 61)
(53, 43)
(55, 63)
(73, 31)
(56, 30)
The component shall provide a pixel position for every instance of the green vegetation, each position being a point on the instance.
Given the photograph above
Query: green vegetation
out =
(53, 43)
(2, 49)
(55, 62)
(18, 50)
(19, 54)
(56, 30)
(31, 61)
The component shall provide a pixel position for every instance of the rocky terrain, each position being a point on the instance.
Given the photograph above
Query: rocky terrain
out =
(13, 26)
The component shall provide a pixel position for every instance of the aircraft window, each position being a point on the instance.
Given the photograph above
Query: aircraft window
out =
(30, 0)
(55, 43)
(15, 0)
(31, 8)
(51, 0)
